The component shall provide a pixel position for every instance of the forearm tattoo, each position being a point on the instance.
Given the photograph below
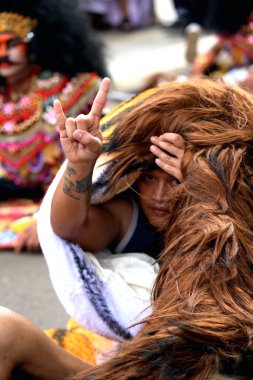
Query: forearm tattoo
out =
(74, 189)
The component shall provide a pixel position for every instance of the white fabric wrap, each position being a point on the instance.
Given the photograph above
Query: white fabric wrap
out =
(104, 292)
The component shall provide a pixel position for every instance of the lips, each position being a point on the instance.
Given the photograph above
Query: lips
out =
(160, 211)
(5, 64)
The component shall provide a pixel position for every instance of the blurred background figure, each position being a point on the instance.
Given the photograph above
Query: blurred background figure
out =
(125, 15)
(47, 50)
(190, 17)
(232, 54)
(219, 16)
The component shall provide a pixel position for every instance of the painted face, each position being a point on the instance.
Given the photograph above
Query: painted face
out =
(153, 188)
(13, 55)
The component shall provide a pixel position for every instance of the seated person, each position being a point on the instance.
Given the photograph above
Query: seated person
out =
(108, 225)
(233, 50)
(201, 318)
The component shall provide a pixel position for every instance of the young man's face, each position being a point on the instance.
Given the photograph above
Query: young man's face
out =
(153, 190)
(13, 55)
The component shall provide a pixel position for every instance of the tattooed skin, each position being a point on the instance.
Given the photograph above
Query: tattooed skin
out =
(70, 171)
(72, 189)
(69, 188)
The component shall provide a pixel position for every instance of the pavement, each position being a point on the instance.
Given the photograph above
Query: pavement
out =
(25, 285)
(133, 56)
(26, 288)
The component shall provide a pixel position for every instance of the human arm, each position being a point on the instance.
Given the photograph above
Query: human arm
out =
(24, 346)
(72, 216)
(169, 150)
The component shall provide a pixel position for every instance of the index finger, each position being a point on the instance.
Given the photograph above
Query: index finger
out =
(60, 116)
(100, 99)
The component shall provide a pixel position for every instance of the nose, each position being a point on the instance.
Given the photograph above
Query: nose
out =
(160, 191)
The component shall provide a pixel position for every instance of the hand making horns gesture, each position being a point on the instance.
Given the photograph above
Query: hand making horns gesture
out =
(80, 137)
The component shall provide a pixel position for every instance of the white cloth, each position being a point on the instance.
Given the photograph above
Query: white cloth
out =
(104, 292)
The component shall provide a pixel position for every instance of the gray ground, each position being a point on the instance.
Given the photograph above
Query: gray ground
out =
(26, 288)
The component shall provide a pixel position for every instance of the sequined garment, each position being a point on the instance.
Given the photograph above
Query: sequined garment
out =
(30, 151)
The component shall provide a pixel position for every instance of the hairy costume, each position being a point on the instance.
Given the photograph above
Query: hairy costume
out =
(66, 62)
(201, 311)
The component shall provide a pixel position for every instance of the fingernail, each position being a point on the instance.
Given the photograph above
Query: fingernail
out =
(77, 134)
(153, 138)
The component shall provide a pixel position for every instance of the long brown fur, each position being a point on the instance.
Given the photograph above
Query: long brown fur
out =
(202, 319)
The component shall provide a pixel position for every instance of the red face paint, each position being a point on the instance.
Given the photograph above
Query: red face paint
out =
(8, 41)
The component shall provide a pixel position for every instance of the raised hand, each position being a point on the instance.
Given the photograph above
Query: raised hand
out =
(169, 150)
(80, 137)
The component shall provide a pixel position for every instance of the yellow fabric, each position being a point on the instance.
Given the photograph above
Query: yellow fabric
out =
(82, 343)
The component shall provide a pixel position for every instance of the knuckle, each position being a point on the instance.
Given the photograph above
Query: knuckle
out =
(177, 138)
(70, 120)
(181, 141)
(80, 117)
(171, 138)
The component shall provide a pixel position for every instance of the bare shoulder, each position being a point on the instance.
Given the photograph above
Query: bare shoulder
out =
(106, 224)
(119, 207)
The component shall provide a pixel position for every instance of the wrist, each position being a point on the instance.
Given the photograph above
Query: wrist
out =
(83, 168)
(77, 182)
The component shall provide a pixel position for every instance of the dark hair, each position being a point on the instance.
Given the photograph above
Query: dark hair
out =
(226, 16)
(63, 40)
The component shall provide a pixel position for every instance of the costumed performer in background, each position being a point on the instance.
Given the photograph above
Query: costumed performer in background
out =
(231, 56)
(47, 50)
(200, 318)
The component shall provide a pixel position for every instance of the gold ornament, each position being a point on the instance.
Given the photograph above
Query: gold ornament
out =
(17, 24)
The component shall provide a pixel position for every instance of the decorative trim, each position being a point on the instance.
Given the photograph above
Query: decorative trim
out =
(17, 24)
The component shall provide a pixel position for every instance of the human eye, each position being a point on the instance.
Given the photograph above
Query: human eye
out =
(147, 178)
(174, 182)
(13, 42)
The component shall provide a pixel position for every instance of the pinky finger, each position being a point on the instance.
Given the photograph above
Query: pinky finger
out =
(175, 172)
